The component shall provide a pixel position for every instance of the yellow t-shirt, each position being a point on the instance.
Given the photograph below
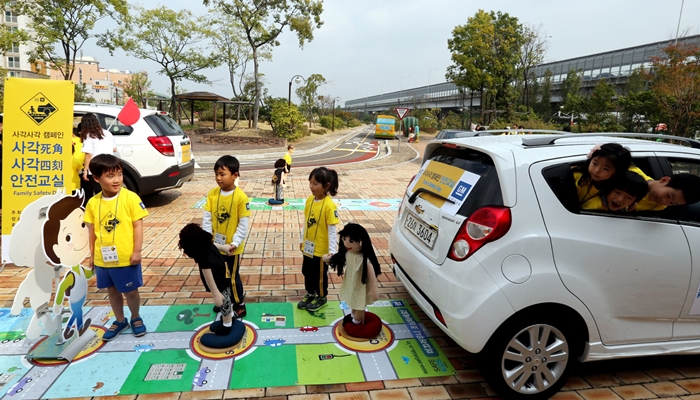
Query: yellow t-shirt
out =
(77, 163)
(596, 203)
(287, 158)
(646, 204)
(226, 211)
(113, 221)
(317, 216)
(586, 192)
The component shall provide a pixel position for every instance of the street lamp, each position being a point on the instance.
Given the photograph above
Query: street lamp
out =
(333, 121)
(297, 79)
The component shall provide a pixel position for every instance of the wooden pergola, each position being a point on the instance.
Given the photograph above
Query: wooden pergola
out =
(212, 97)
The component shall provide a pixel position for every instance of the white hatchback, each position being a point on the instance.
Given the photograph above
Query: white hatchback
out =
(491, 243)
(155, 151)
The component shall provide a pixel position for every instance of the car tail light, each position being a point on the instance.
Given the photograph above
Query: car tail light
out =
(404, 197)
(483, 226)
(163, 145)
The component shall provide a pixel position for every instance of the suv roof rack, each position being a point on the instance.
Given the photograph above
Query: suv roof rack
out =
(531, 141)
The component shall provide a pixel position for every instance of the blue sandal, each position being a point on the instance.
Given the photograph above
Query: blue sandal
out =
(137, 327)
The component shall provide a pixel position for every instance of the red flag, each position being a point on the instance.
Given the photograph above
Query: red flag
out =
(130, 113)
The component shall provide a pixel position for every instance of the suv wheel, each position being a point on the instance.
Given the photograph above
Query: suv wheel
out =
(129, 184)
(530, 360)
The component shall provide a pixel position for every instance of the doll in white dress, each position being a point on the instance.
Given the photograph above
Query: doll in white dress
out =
(359, 287)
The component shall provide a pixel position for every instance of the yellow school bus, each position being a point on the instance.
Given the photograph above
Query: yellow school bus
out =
(385, 126)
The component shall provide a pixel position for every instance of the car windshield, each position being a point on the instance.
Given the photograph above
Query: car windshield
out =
(163, 125)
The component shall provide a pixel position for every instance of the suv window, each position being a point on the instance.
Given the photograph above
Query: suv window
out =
(163, 125)
(487, 191)
(560, 179)
(690, 212)
(115, 127)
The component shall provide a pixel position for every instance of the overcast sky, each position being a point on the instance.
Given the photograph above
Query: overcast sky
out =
(368, 47)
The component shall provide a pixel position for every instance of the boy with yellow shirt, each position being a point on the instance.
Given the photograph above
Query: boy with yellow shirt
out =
(115, 222)
(675, 190)
(226, 215)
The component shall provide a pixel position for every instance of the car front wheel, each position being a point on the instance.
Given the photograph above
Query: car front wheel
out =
(530, 360)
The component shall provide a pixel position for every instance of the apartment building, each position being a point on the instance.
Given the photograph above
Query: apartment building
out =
(16, 61)
(105, 85)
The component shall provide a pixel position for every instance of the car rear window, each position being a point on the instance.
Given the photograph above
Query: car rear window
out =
(487, 191)
(163, 125)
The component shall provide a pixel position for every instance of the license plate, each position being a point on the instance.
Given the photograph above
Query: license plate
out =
(422, 231)
(186, 153)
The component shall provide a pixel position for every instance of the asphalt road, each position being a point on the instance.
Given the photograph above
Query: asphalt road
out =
(360, 147)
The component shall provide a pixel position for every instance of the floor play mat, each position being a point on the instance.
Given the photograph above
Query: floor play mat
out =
(282, 346)
(259, 203)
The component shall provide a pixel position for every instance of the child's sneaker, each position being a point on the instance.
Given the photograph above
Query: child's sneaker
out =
(306, 300)
(137, 327)
(316, 304)
(115, 330)
(239, 311)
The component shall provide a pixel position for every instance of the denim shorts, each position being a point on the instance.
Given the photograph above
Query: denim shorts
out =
(125, 279)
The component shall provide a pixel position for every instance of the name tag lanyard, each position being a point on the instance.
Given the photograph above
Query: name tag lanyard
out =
(99, 213)
(230, 209)
(318, 223)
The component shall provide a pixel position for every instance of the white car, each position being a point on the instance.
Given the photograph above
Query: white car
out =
(155, 152)
(513, 270)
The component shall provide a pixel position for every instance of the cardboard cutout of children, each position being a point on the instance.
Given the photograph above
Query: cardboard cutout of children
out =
(26, 250)
(66, 241)
(54, 222)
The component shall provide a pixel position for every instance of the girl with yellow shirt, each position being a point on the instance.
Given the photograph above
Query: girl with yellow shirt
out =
(319, 239)
(603, 162)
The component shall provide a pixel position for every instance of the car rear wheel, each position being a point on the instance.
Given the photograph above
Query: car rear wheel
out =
(530, 360)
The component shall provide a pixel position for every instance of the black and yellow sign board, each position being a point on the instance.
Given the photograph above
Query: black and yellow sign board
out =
(36, 146)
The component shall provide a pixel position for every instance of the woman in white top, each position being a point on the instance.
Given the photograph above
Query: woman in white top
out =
(96, 141)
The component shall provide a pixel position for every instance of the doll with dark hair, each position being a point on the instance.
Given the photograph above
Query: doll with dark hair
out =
(197, 243)
(359, 287)
(277, 182)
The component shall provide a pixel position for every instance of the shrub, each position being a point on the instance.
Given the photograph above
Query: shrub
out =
(327, 122)
(286, 120)
(318, 131)
(354, 123)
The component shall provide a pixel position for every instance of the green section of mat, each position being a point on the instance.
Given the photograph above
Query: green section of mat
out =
(286, 346)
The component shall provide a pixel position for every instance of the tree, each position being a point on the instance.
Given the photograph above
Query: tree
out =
(531, 55)
(572, 101)
(675, 84)
(67, 25)
(173, 39)
(471, 56)
(484, 54)
(599, 105)
(264, 20)
(637, 104)
(138, 87)
(231, 44)
(81, 94)
(307, 93)
(543, 107)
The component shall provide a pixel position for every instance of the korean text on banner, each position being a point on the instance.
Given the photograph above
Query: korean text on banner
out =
(447, 181)
(36, 147)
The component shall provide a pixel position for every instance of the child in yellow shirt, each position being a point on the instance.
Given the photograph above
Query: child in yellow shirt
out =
(603, 162)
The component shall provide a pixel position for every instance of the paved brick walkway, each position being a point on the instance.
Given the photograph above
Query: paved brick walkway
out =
(271, 272)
